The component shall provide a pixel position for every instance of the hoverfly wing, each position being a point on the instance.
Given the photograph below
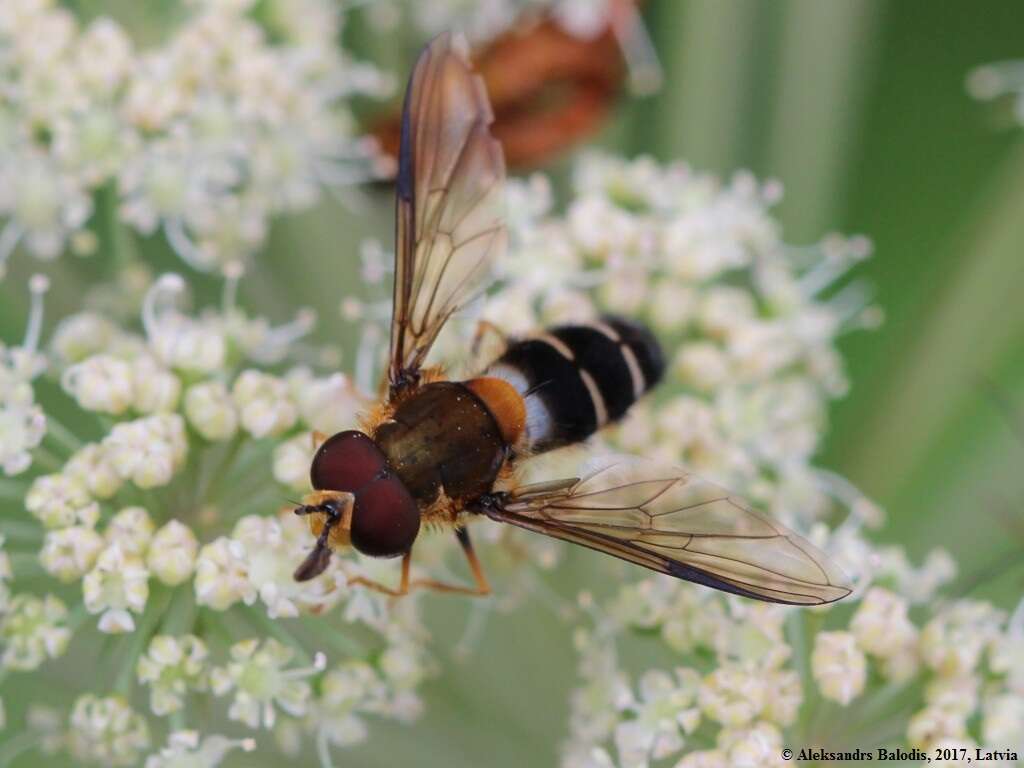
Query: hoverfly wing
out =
(678, 524)
(449, 226)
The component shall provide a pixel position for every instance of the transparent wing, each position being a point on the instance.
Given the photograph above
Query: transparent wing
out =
(449, 226)
(678, 524)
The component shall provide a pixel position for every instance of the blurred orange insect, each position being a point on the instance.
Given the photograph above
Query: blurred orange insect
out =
(551, 89)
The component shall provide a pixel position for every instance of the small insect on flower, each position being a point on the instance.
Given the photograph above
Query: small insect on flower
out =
(440, 452)
(579, 56)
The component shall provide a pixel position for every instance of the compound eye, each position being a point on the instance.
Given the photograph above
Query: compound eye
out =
(346, 462)
(385, 520)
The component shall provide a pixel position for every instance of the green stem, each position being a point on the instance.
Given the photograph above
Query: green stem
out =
(183, 499)
(249, 499)
(46, 459)
(21, 530)
(131, 496)
(156, 502)
(877, 712)
(148, 623)
(256, 615)
(76, 616)
(249, 473)
(19, 745)
(26, 565)
(115, 238)
(328, 634)
(181, 614)
(215, 479)
(255, 458)
(802, 636)
(178, 722)
(105, 421)
(12, 491)
(210, 624)
(62, 435)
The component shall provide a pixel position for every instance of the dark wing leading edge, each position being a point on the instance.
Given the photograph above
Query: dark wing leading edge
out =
(450, 203)
(678, 524)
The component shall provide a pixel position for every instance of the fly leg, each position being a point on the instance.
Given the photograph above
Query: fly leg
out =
(481, 588)
(484, 327)
(376, 586)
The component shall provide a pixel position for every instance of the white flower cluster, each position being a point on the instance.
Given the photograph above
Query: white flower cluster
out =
(185, 748)
(747, 696)
(225, 124)
(170, 667)
(177, 391)
(257, 675)
(973, 665)
(968, 659)
(486, 20)
(32, 630)
(177, 506)
(107, 731)
(750, 322)
(1000, 80)
(22, 421)
(736, 712)
(351, 692)
(754, 324)
(257, 561)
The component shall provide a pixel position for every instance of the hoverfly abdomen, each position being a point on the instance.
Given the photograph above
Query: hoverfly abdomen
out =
(575, 379)
(504, 403)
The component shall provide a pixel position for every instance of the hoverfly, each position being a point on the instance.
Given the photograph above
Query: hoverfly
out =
(440, 452)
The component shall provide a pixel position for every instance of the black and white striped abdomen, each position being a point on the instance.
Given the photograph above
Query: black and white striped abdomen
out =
(575, 379)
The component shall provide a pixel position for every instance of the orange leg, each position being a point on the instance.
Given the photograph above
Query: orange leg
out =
(481, 588)
(403, 587)
(483, 327)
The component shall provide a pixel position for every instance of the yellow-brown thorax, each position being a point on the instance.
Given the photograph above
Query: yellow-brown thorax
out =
(450, 439)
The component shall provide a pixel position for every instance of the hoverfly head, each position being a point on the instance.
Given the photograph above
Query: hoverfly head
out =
(384, 519)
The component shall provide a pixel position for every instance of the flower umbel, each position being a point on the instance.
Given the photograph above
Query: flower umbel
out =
(107, 731)
(164, 526)
(261, 682)
(22, 421)
(32, 630)
(185, 748)
(95, 115)
(170, 667)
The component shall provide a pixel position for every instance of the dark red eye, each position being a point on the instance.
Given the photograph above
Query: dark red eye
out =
(385, 520)
(346, 462)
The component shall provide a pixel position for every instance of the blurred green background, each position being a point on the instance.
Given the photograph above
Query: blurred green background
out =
(859, 108)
